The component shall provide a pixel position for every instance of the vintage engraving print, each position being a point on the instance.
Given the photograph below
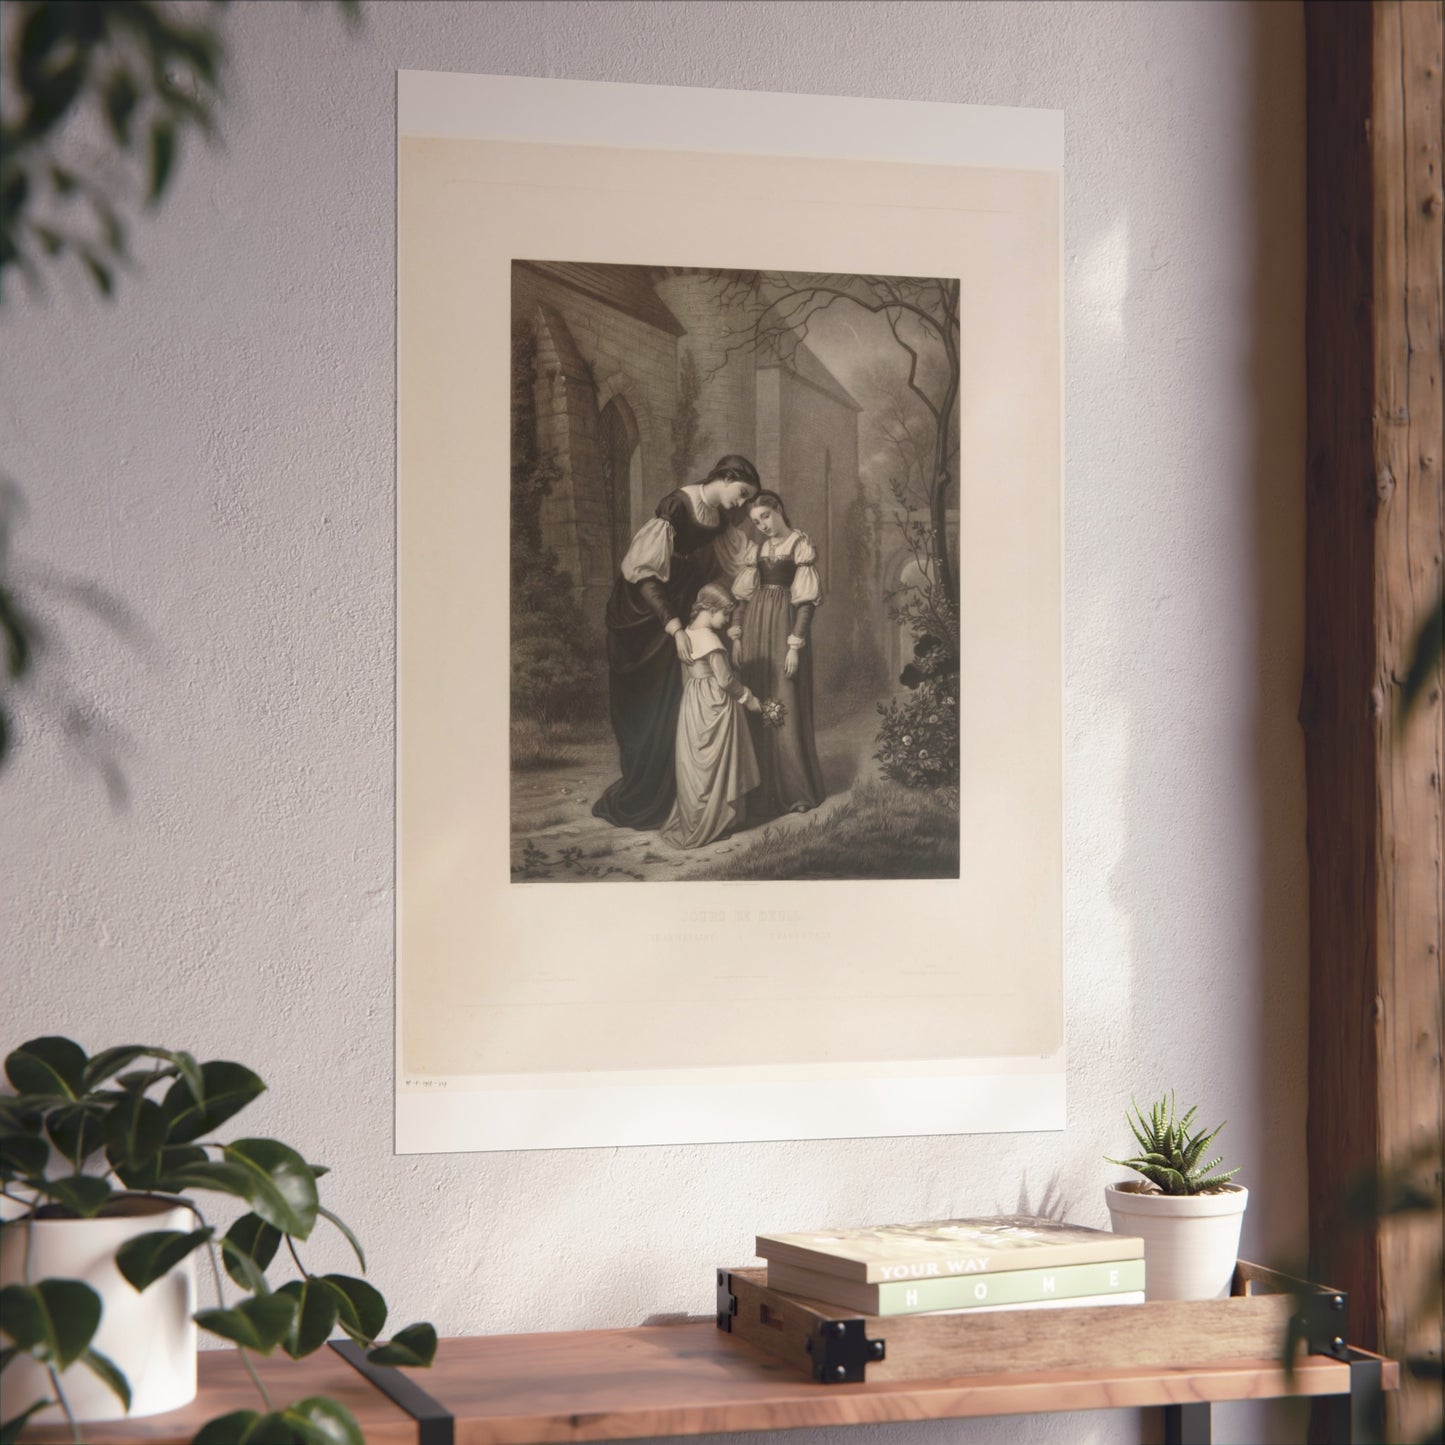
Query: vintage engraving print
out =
(756, 469)
(728, 562)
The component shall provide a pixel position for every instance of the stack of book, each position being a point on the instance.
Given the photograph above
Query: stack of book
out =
(1013, 1261)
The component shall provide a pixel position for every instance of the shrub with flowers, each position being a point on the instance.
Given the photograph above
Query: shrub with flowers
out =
(918, 737)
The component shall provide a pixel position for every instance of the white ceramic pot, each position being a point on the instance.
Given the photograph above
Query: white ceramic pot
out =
(1191, 1241)
(150, 1336)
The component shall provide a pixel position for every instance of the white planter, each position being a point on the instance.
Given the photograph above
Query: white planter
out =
(1191, 1241)
(150, 1336)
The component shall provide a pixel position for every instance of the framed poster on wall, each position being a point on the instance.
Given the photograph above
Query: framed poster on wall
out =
(729, 642)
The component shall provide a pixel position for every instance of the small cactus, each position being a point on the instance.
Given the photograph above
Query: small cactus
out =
(1170, 1154)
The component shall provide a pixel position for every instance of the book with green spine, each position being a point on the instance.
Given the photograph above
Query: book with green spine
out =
(943, 1247)
(961, 1292)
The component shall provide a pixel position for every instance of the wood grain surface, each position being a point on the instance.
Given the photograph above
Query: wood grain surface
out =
(1375, 535)
(685, 1379)
(225, 1386)
(924, 1346)
(695, 1379)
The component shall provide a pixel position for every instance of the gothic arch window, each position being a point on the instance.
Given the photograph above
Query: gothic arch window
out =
(619, 457)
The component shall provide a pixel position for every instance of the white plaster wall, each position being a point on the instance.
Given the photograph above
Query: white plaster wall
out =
(216, 450)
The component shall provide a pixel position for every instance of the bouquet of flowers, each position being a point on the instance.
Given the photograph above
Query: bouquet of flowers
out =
(774, 713)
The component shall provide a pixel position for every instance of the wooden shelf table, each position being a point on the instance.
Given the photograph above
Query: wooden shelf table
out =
(693, 1379)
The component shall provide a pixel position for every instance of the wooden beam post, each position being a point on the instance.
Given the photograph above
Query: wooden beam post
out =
(1376, 832)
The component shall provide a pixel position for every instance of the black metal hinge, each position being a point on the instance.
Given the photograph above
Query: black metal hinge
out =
(727, 1301)
(841, 1352)
(1324, 1323)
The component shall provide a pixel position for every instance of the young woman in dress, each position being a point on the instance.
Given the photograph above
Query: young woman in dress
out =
(779, 589)
(669, 559)
(716, 764)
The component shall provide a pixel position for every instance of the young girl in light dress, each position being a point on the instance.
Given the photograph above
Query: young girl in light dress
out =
(716, 765)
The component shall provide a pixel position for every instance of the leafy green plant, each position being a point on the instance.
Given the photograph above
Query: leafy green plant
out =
(1171, 1152)
(83, 1135)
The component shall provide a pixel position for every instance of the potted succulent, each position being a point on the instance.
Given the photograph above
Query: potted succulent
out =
(1187, 1212)
(104, 1160)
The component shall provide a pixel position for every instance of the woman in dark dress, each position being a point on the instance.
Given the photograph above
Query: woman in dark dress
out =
(647, 614)
(778, 590)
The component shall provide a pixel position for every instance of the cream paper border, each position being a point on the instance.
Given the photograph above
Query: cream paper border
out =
(566, 1015)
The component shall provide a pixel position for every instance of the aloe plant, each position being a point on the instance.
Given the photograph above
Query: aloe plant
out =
(82, 1131)
(1171, 1152)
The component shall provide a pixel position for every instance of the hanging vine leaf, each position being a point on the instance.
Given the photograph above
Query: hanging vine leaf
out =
(50, 1065)
(259, 1323)
(316, 1308)
(54, 1320)
(248, 1248)
(225, 1088)
(149, 1257)
(415, 1345)
(109, 1373)
(282, 1186)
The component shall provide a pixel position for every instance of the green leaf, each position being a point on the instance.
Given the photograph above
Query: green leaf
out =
(283, 1186)
(156, 1175)
(106, 1370)
(259, 1323)
(78, 1131)
(225, 1089)
(316, 1310)
(83, 1193)
(319, 1421)
(18, 1116)
(163, 156)
(54, 1320)
(196, 1080)
(207, 1174)
(245, 1427)
(415, 1345)
(252, 1241)
(149, 1257)
(109, 1062)
(22, 1155)
(361, 1309)
(10, 1430)
(243, 1269)
(50, 1065)
(135, 1131)
(351, 1239)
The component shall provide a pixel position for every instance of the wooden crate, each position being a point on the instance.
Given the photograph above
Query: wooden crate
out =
(840, 1346)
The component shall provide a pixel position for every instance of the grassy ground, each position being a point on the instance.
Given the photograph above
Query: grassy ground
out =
(536, 744)
(882, 831)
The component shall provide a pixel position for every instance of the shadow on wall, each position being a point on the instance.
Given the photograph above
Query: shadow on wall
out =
(1277, 388)
(1276, 394)
(1211, 882)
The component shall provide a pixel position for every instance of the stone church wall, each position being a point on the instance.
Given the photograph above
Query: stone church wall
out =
(589, 353)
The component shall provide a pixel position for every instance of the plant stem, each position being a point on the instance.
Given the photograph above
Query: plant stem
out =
(213, 1255)
(64, 1405)
(291, 1245)
(245, 1355)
